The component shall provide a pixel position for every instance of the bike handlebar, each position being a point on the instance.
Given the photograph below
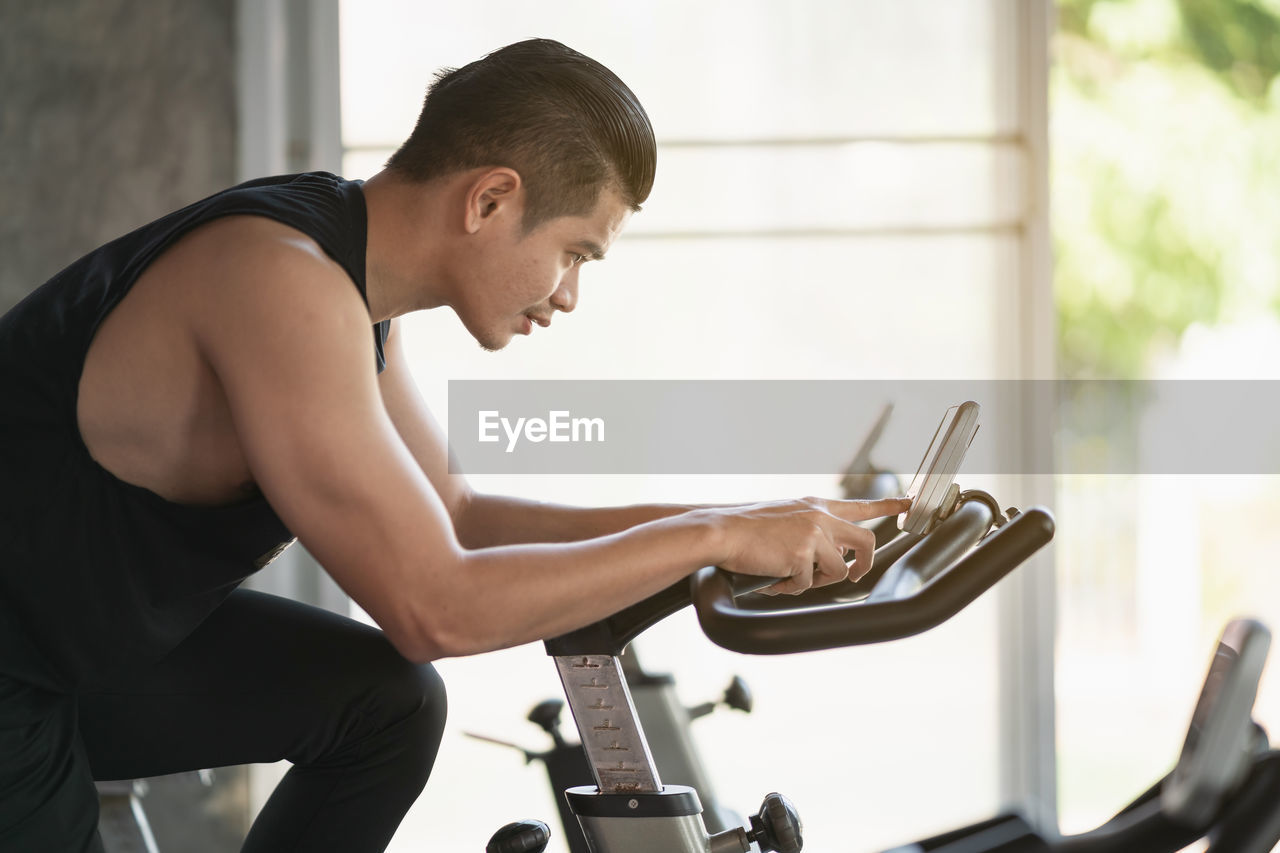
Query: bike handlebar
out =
(824, 617)
(938, 588)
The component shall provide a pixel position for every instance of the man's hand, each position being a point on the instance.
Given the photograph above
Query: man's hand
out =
(804, 542)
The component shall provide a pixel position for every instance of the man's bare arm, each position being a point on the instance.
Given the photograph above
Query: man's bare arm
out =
(501, 520)
(483, 520)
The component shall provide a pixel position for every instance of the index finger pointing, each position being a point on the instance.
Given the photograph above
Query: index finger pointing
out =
(863, 510)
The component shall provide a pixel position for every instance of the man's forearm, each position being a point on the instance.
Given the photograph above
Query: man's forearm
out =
(487, 521)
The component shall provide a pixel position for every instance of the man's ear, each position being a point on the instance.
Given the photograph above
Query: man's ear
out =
(493, 192)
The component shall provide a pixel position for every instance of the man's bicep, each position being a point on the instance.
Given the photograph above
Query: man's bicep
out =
(296, 364)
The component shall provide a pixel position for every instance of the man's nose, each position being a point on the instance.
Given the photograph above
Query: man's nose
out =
(566, 296)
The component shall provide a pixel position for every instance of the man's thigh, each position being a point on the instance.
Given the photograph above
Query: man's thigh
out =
(47, 797)
(262, 679)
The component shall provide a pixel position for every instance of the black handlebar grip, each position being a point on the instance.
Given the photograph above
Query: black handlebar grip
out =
(933, 554)
(763, 632)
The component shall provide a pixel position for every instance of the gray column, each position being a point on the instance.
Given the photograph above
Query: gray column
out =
(112, 113)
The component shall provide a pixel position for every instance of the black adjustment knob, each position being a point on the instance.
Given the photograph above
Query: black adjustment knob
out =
(547, 715)
(526, 836)
(738, 695)
(777, 826)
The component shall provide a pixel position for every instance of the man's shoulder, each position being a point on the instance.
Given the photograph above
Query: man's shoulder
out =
(243, 271)
(317, 211)
(240, 238)
(240, 249)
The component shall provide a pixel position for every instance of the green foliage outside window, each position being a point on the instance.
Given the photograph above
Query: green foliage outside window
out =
(1165, 174)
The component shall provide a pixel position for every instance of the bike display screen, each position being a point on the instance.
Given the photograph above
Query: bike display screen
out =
(1224, 659)
(938, 469)
(1215, 753)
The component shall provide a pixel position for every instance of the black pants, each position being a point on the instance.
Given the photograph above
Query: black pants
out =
(262, 679)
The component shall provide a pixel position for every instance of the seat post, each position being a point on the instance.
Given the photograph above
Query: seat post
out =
(628, 810)
(608, 724)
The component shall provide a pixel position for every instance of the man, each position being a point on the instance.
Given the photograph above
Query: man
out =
(184, 400)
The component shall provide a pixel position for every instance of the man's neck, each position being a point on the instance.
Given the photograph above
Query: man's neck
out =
(404, 263)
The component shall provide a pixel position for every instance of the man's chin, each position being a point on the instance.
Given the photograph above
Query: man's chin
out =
(489, 338)
(493, 343)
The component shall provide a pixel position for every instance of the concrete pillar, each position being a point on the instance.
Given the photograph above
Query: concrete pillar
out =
(113, 113)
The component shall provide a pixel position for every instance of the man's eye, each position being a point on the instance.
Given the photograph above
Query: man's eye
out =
(577, 259)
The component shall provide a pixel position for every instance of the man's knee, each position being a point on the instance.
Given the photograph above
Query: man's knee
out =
(414, 704)
(410, 696)
(423, 690)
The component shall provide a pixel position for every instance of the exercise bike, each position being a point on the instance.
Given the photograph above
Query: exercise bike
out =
(665, 721)
(919, 580)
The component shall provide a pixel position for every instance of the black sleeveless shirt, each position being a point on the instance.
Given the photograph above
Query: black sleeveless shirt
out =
(97, 574)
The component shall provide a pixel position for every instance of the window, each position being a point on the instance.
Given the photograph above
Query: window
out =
(1164, 139)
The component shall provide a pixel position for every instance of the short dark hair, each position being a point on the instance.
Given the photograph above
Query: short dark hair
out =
(560, 119)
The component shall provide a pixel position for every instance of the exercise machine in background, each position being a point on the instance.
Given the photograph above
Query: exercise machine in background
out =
(1224, 788)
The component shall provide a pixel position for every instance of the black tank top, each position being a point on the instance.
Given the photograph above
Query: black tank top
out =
(97, 574)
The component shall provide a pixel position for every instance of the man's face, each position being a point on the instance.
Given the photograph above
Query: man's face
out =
(520, 280)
